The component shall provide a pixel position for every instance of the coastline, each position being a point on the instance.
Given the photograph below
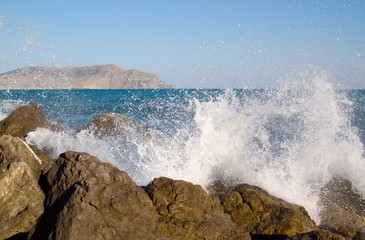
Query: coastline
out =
(222, 208)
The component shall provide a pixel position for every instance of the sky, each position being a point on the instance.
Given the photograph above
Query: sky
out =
(191, 43)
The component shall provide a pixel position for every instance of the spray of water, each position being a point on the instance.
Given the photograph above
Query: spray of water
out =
(7, 106)
(290, 141)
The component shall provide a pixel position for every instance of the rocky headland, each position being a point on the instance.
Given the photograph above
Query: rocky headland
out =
(77, 196)
(90, 77)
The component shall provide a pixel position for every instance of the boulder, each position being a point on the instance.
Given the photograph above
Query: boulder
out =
(89, 199)
(113, 124)
(14, 149)
(21, 198)
(343, 209)
(118, 127)
(317, 235)
(24, 120)
(259, 213)
(186, 212)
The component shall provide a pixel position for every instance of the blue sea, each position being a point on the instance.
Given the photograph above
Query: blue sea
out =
(290, 141)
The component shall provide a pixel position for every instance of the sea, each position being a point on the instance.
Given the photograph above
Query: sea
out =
(290, 141)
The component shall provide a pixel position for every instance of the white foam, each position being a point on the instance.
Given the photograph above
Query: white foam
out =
(7, 106)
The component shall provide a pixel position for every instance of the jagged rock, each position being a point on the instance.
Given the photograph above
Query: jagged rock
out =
(343, 209)
(259, 213)
(317, 235)
(24, 120)
(89, 199)
(21, 198)
(186, 212)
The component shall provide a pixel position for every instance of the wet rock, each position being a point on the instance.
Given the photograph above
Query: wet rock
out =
(317, 235)
(24, 120)
(21, 198)
(343, 209)
(112, 124)
(89, 199)
(186, 212)
(259, 213)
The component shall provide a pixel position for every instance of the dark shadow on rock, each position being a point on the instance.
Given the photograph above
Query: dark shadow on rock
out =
(48, 220)
(268, 237)
(20, 236)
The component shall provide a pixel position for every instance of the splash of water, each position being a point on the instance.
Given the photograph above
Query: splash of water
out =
(289, 141)
(7, 106)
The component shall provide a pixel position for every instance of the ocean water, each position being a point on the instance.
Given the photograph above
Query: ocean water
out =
(290, 141)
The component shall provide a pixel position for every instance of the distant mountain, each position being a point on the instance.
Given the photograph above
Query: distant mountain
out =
(91, 77)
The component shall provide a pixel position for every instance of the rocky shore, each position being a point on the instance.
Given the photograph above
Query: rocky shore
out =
(77, 196)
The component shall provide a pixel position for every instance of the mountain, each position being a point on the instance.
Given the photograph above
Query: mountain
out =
(90, 77)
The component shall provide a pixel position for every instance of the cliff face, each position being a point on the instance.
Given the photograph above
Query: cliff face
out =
(92, 77)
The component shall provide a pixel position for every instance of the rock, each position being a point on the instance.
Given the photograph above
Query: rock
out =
(186, 212)
(317, 235)
(89, 199)
(343, 209)
(21, 198)
(24, 120)
(121, 128)
(113, 124)
(47, 161)
(259, 213)
(14, 149)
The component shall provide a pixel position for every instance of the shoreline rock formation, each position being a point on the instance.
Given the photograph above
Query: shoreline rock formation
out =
(89, 77)
(78, 196)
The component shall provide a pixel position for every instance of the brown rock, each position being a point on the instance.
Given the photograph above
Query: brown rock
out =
(317, 235)
(112, 124)
(13, 149)
(186, 212)
(21, 198)
(343, 209)
(259, 213)
(47, 161)
(124, 128)
(24, 120)
(89, 199)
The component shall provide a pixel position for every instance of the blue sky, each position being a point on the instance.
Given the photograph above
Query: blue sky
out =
(192, 44)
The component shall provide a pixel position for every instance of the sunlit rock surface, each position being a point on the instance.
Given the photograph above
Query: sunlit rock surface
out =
(186, 212)
(89, 199)
(21, 198)
(259, 213)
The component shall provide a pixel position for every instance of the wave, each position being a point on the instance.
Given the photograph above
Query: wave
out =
(290, 141)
